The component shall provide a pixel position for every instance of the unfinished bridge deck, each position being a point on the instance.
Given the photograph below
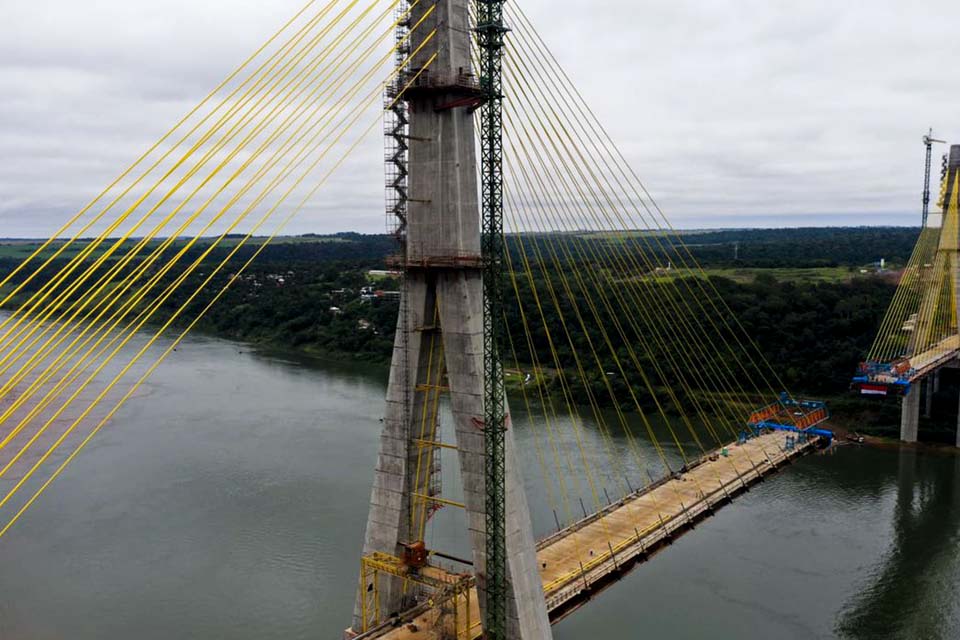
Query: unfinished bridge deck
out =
(580, 561)
(936, 356)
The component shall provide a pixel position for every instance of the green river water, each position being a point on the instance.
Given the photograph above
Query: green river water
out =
(228, 500)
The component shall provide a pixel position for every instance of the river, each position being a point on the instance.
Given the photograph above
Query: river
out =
(228, 500)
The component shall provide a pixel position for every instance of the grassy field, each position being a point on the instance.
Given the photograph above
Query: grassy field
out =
(813, 275)
(804, 276)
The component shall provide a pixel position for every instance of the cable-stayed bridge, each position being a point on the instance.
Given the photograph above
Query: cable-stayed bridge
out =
(918, 336)
(537, 270)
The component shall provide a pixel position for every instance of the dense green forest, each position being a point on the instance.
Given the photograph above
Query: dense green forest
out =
(815, 333)
(317, 294)
(802, 248)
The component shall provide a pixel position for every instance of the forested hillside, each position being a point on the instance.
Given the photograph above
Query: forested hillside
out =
(814, 333)
(316, 293)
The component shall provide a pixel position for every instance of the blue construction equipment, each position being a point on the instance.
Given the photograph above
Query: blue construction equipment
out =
(881, 379)
(799, 416)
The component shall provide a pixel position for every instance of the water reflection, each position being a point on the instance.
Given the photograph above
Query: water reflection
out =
(911, 594)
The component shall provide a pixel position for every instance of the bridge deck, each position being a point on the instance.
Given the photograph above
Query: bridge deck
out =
(588, 556)
(942, 352)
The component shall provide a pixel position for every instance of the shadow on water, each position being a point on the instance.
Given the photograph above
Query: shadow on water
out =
(910, 594)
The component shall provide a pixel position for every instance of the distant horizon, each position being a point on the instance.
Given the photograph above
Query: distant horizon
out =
(384, 233)
(331, 222)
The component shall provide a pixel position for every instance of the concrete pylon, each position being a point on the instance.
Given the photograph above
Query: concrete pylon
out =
(444, 300)
(949, 205)
(910, 415)
(950, 191)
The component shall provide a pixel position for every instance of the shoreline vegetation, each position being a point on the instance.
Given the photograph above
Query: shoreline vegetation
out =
(812, 299)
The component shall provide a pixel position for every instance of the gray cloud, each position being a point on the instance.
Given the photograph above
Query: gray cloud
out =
(735, 113)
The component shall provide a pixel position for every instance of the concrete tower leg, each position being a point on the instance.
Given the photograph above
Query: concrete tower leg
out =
(928, 396)
(950, 203)
(442, 273)
(388, 521)
(461, 305)
(910, 415)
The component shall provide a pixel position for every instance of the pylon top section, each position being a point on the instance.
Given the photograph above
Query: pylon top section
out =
(953, 168)
(451, 71)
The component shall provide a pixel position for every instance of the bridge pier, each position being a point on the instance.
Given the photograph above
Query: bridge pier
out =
(910, 415)
(958, 429)
(931, 388)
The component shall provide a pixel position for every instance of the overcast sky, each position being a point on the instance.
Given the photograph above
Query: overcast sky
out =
(735, 113)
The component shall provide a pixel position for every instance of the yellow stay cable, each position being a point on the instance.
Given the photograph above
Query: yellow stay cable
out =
(633, 447)
(157, 277)
(907, 301)
(51, 286)
(371, 96)
(572, 411)
(559, 269)
(139, 160)
(76, 260)
(605, 431)
(551, 103)
(173, 345)
(511, 207)
(681, 315)
(532, 421)
(735, 327)
(546, 176)
(551, 417)
(586, 288)
(527, 271)
(904, 300)
(239, 195)
(597, 411)
(572, 196)
(605, 203)
(95, 294)
(614, 461)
